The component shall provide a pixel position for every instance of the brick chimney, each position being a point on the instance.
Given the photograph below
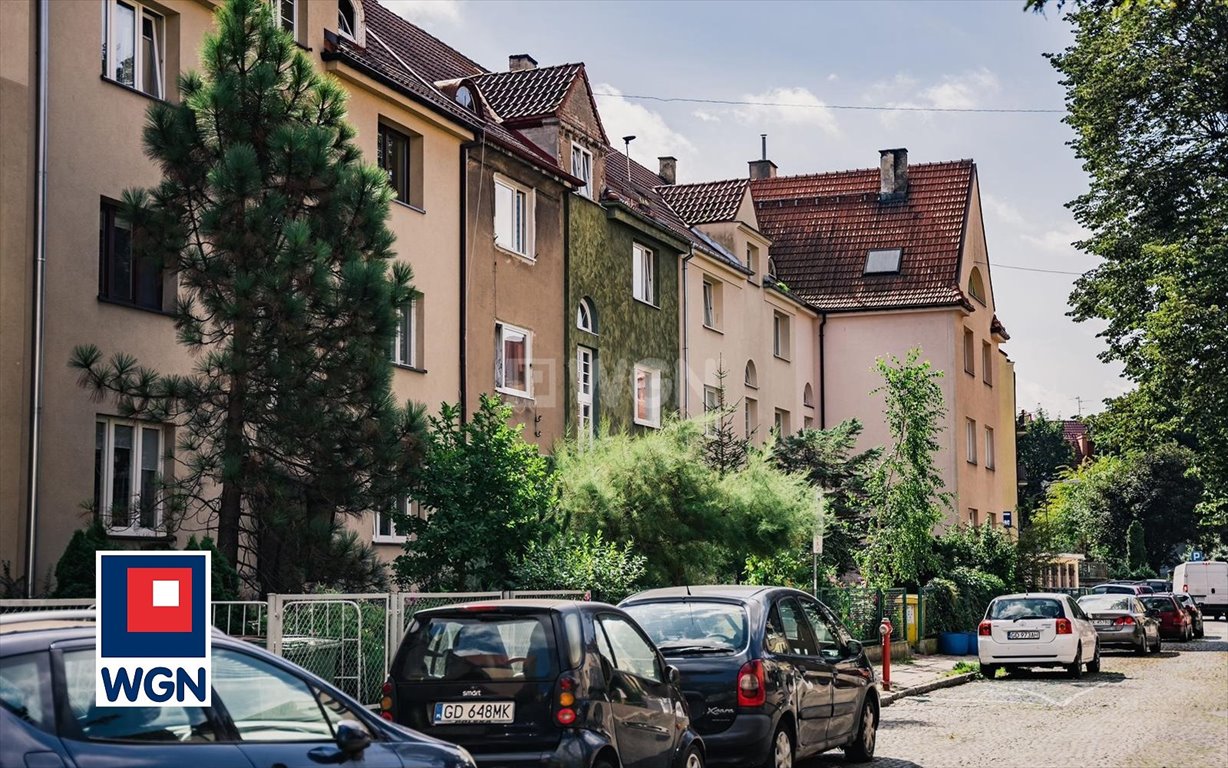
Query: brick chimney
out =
(669, 169)
(893, 174)
(520, 61)
(762, 168)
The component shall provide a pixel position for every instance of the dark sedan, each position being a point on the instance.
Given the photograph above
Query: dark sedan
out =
(770, 675)
(266, 712)
(1121, 620)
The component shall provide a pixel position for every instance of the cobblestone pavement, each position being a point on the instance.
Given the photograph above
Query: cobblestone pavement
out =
(1166, 709)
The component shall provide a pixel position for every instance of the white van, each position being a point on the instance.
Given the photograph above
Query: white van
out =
(1207, 582)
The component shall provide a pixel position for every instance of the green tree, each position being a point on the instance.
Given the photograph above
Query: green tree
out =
(287, 300)
(905, 497)
(573, 560)
(983, 548)
(75, 572)
(1147, 95)
(224, 578)
(725, 449)
(1043, 452)
(490, 494)
(829, 459)
(1136, 547)
(692, 523)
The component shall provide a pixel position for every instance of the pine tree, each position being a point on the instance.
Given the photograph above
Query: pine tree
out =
(287, 299)
(724, 449)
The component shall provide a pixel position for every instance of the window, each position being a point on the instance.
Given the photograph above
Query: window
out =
(386, 529)
(973, 517)
(127, 470)
(586, 316)
(969, 353)
(826, 638)
(788, 630)
(347, 19)
(582, 167)
(807, 422)
(781, 422)
(712, 303)
(269, 704)
(392, 154)
(882, 261)
(287, 15)
(976, 286)
(989, 448)
(633, 654)
(513, 360)
(970, 439)
(121, 276)
(647, 396)
(991, 519)
(771, 268)
(586, 376)
(752, 258)
(752, 376)
(752, 416)
(643, 274)
(780, 335)
(808, 395)
(987, 362)
(514, 218)
(406, 344)
(24, 689)
(133, 46)
(712, 403)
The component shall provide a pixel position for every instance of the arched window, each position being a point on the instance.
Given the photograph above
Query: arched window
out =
(347, 19)
(586, 316)
(752, 378)
(464, 97)
(808, 396)
(771, 267)
(976, 285)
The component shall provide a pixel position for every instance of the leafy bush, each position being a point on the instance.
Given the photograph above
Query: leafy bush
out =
(75, 571)
(582, 561)
(977, 589)
(981, 547)
(942, 606)
(224, 578)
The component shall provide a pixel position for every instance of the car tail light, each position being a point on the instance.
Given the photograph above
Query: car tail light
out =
(752, 688)
(1063, 627)
(385, 702)
(984, 629)
(1124, 621)
(566, 714)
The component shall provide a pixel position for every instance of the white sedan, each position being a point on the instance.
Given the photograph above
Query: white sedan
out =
(1038, 629)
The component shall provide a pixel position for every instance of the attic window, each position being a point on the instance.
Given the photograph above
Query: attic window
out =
(464, 97)
(881, 261)
(347, 19)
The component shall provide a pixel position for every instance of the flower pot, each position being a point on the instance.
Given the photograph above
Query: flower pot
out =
(953, 643)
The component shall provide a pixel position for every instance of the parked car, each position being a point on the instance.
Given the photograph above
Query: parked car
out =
(1157, 585)
(542, 682)
(1174, 620)
(771, 676)
(1207, 582)
(1194, 611)
(1121, 620)
(1037, 630)
(1121, 588)
(266, 711)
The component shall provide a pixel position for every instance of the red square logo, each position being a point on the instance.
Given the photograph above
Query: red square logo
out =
(159, 599)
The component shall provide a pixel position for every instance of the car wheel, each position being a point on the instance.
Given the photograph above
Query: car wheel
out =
(1074, 670)
(1093, 666)
(782, 748)
(1142, 647)
(861, 749)
(694, 758)
(989, 671)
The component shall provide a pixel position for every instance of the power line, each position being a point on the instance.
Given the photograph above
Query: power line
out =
(874, 108)
(995, 265)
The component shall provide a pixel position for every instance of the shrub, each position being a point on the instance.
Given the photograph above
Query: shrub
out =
(582, 561)
(75, 571)
(942, 606)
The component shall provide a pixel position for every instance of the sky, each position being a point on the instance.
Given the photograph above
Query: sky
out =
(825, 55)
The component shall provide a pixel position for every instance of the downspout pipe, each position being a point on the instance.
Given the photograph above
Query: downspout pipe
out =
(464, 288)
(822, 372)
(40, 291)
(686, 347)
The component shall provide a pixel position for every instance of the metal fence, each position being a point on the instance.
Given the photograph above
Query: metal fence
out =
(861, 610)
(45, 604)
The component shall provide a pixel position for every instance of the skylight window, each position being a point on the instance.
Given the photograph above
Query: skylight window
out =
(883, 260)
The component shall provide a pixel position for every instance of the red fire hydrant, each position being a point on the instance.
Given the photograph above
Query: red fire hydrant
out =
(884, 631)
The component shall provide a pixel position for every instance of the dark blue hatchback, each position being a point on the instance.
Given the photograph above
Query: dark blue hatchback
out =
(266, 712)
(769, 674)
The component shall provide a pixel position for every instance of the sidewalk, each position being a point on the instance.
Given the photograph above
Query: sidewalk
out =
(923, 674)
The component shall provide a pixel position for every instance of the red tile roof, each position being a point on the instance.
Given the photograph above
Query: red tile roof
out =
(707, 202)
(528, 93)
(434, 59)
(640, 193)
(822, 225)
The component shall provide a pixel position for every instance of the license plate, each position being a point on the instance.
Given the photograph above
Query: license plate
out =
(1023, 634)
(474, 712)
(1102, 622)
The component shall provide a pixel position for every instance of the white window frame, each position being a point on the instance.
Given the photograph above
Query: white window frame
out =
(643, 274)
(990, 448)
(520, 218)
(582, 167)
(781, 422)
(991, 519)
(501, 329)
(106, 492)
(970, 438)
(109, 28)
(407, 323)
(352, 33)
(751, 411)
(711, 300)
(586, 387)
(781, 336)
(654, 396)
(409, 508)
(279, 12)
(585, 320)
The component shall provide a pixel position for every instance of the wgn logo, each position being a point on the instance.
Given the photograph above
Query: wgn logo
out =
(153, 629)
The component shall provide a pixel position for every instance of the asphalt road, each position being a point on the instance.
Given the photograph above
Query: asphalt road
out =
(1166, 709)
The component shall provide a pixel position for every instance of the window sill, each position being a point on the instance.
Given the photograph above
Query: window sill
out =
(522, 256)
(649, 424)
(989, 384)
(514, 393)
(131, 305)
(410, 206)
(970, 373)
(714, 329)
(808, 405)
(407, 367)
(130, 89)
(748, 385)
(646, 303)
(991, 467)
(389, 539)
(972, 462)
(781, 357)
(137, 534)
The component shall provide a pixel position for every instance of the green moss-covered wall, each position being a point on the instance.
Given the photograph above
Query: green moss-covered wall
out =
(599, 245)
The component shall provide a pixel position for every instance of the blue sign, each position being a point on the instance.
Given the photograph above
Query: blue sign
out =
(1195, 556)
(1006, 519)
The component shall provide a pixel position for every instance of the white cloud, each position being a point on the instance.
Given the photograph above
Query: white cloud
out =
(1057, 240)
(653, 137)
(963, 91)
(425, 10)
(1029, 395)
(833, 77)
(1002, 211)
(707, 117)
(795, 106)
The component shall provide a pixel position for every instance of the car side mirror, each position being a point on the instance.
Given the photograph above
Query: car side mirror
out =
(855, 648)
(352, 738)
(675, 676)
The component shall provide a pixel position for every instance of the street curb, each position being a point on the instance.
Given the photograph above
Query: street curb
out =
(916, 690)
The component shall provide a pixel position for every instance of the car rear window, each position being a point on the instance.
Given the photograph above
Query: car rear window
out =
(1115, 590)
(481, 647)
(1026, 608)
(1159, 603)
(694, 624)
(25, 689)
(1105, 603)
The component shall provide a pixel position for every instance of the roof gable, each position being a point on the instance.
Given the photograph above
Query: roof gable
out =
(707, 202)
(531, 94)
